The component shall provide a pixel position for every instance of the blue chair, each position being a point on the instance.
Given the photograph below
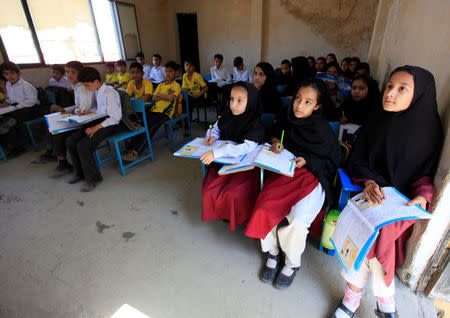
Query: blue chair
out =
(2, 155)
(138, 107)
(286, 101)
(207, 77)
(51, 98)
(41, 120)
(281, 89)
(168, 125)
(347, 188)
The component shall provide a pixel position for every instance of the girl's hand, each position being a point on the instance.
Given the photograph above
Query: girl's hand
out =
(207, 157)
(373, 192)
(276, 146)
(210, 140)
(299, 162)
(420, 201)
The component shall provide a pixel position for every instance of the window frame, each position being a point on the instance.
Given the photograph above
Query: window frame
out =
(42, 63)
(118, 26)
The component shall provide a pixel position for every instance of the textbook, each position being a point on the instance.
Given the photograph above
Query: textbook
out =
(265, 158)
(359, 224)
(80, 119)
(197, 147)
(343, 85)
(58, 122)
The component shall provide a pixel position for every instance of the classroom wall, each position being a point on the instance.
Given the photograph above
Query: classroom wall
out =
(416, 32)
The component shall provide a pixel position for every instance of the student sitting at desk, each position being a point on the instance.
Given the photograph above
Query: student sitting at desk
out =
(300, 198)
(165, 98)
(241, 73)
(22, 98)
(58, 79)
(84, 141)
(232, 197)
(193, 83)
(147, 68)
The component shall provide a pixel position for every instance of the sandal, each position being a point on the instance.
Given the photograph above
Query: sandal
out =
(385, 314)
(342, 307)
(130, 156)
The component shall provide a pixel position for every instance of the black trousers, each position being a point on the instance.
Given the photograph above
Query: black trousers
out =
(16, 137)
(59, 143)
(81, 148)
(154, 121)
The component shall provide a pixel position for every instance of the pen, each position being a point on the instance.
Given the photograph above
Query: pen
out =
(281, 142)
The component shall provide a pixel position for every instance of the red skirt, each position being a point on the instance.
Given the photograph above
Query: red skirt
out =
(278, 196)
(230, 197)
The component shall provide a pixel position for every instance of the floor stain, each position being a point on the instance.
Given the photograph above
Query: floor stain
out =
(128, 235)
(80, 203)
(174, 212)
(9, 198)
(101, 227)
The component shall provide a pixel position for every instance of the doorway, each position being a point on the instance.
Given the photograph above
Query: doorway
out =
(188, 38)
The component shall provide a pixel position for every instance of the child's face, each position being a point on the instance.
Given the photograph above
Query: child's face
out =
(188, 67)
(361, 71)
(285, 69)
(311, 62)
(140, 60)
(218, 63)
(353, 65)
(332, 70)
(122, 68)
(320, 65)
(136, 73)
(330, 59)
(259, 78)
(71, 74)
(170, 73)
(57, 75)
(344, 66)
(110, 69)
(12, 76)
(240, 67)
(359, 90)
(305, 102)
(156, 61)
(399, 92)
(92, 86)
(238, 100)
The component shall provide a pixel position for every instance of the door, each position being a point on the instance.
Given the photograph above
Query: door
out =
(188, 38)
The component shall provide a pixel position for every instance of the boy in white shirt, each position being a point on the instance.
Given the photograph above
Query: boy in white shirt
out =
(218, 72)
(241, 73)
(23, 97)
(84, 141)
(147, 68)
(58, 79)
(158, 72)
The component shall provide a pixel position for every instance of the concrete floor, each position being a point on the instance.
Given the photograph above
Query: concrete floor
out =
(157, 256)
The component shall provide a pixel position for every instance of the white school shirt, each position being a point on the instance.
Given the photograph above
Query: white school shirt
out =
(84, 99)
(220, 74)
(243, 75)
(108, 103)
(158, 73)
(147, 71)
(22, 93)
(231, 150)
(63, 82)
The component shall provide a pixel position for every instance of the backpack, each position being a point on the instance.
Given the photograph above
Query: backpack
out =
(64, 97)
(129, 117)
(44, 105)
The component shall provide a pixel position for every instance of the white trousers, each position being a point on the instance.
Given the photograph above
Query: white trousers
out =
(359, 278)
(293, 236)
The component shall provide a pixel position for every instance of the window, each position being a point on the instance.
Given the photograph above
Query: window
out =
(14, 26)
(58, 31)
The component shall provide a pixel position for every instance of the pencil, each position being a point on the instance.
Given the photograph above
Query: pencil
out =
(281, 142)
(210, 130)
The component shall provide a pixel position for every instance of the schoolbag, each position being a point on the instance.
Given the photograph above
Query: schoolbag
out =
(44, 105)
(64, 97)
(129, 117)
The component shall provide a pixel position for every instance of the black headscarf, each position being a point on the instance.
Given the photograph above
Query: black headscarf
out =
(270, 97)
(313, 139)
(301, 70)
(247, 125)
(357, 112)
(398, 148)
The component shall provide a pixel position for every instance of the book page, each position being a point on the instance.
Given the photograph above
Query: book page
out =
(281, 163)
(350, 236)
(348, 128)
(81, 119)
(56, 126)
(7, 109)
(392, 209)
(196, 148)
(246, 163)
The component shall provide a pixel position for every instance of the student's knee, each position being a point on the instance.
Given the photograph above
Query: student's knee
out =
(71, 143)
(83, 145)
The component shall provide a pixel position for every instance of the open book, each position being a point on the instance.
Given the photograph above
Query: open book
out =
(58, 122)
(360, 222)
(80, 119)
(264, 158)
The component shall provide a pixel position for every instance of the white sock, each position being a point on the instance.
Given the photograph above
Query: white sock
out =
(271, 263)
(386, 304)
(287, 271)
(351, 300)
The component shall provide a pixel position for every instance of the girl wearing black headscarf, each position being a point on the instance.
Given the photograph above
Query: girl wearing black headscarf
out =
(400, 147)
(363, 99)
(264, 80)
(300, 198)
(232, 197)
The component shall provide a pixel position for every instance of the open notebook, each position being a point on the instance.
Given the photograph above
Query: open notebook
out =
(359, 224)
(264, 158)
(58, 122)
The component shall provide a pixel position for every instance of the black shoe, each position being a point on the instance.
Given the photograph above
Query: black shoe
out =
(75, 179)
(44, 158)
(385, 314)
(349, 313)
(88, 186)
(61, 170)
(268, 274)
(282, 281)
